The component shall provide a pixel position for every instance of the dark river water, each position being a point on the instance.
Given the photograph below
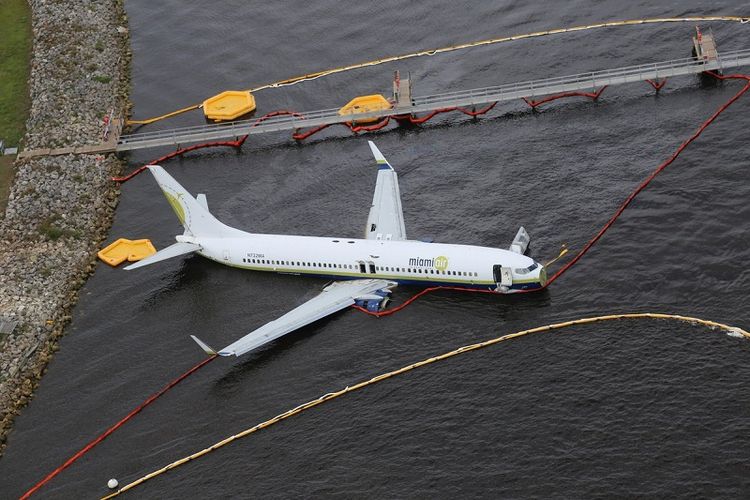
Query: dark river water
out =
(619, 409)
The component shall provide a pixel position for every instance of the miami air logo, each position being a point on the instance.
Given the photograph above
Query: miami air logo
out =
(441, 263)
(176, 205)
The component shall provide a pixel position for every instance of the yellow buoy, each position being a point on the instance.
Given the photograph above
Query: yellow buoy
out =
(228, 105)
(121, 250)
(366, 104)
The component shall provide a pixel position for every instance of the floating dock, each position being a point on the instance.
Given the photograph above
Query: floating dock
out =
(408, 104)
(123, 249)
(464, 98)
(229, 105)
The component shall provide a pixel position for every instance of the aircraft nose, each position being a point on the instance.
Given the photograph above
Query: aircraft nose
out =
(542, 275)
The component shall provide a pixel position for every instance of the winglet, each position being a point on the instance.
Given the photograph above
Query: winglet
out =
(379, 158)
(204, 346)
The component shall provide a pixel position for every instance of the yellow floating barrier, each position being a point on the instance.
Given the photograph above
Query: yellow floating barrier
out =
(366, 104)
(330, 396)
(123, 249)
(229, 105)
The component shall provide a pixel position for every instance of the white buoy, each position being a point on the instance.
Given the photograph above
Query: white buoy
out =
(112, 483)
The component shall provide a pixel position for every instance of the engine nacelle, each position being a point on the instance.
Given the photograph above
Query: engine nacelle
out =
(374, 302)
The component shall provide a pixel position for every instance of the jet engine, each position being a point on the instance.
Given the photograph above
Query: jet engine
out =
(376, 301)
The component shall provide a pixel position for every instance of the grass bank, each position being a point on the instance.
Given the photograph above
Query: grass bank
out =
(15, 51)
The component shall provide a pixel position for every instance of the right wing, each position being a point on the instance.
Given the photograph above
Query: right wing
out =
(336, 296)
(386, 219)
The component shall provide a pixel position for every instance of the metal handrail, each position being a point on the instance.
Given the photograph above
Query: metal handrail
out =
(528, 88)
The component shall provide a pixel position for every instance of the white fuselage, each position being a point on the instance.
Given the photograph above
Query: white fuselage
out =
(406, 262)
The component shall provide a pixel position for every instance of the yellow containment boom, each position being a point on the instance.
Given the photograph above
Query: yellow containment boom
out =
(123, 249)
(229, 105)
(365, 104)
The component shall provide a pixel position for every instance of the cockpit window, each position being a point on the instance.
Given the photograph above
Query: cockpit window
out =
(526, 270)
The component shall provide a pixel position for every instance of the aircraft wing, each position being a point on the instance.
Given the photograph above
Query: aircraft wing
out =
(386, 219)
(334, 297)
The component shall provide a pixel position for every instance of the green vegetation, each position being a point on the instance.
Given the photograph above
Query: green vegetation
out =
(51, 231)
(15, 49)
(102, 79)
(6, 178)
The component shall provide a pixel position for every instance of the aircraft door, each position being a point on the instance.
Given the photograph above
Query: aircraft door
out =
(503, 275)
(226, 254)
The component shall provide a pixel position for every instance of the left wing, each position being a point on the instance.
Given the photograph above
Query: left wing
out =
(336, 296)
(386, 219)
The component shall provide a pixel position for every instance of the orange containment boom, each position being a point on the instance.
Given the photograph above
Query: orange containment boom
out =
(229, 105)
(121, 250)
(366, 104)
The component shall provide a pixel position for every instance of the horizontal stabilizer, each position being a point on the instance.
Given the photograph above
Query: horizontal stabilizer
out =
(179, 248)
(201, 199)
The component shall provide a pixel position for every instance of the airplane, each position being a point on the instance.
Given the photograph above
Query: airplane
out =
(366, 270)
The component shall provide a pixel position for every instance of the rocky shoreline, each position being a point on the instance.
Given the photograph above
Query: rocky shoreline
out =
(60, 207)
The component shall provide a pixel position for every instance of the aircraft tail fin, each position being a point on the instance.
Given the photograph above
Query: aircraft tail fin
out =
(193, 214)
